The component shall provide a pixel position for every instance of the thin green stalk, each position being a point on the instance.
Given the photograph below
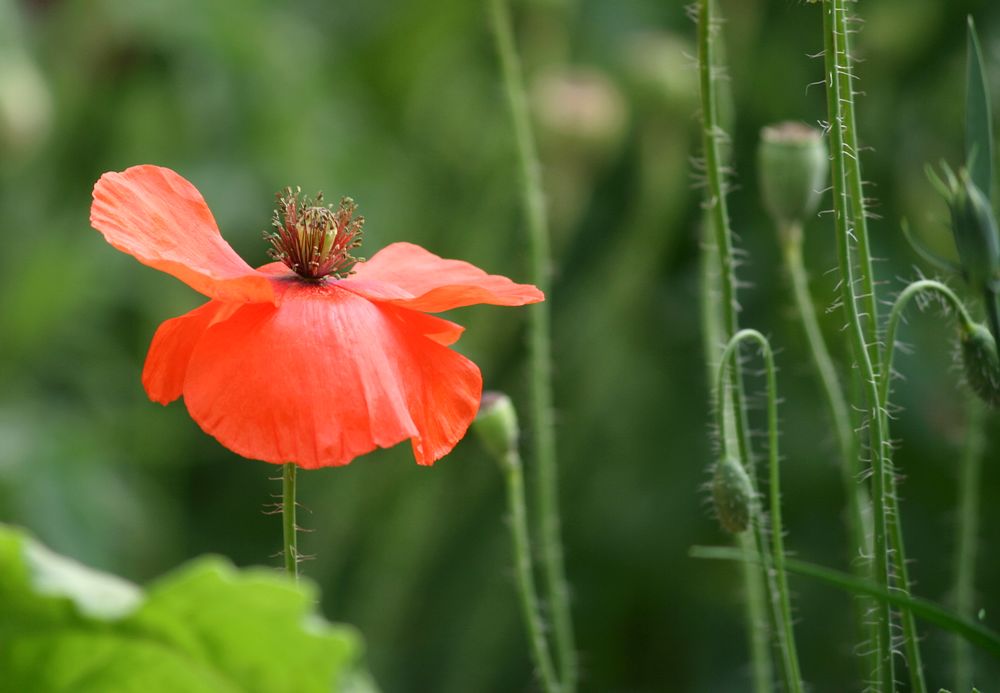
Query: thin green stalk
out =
(852, 173)
(755, 611)
(911, 639)
(289, 529)
(837, 65)
(973, 632)
(525, 572)
(967, 533)
(785, 636)
(858, 504)
(539, 343)
(718, 216)
(832, 390)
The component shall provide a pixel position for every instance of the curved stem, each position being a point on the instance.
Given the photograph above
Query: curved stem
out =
(289, 530)
(525, 577)
(837, 64)
(717, 213)
(785, 634)
(898, 547)
(896, 316)
(539, 344)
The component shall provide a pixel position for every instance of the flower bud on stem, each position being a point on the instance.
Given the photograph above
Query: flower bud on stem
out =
(496, 426)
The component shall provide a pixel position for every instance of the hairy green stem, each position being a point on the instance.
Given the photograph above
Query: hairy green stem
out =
(911, 639)
(785, 636)
(289, 529)
(520, 543)
(755, 609)
(837, 64)
(858, 504)
(852, 173)
(757, 590)
(967, 533)
(543, 425)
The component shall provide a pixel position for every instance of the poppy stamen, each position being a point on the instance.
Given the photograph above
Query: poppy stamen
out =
(312, 239)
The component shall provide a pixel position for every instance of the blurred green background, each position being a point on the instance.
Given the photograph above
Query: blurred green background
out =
(399, 105)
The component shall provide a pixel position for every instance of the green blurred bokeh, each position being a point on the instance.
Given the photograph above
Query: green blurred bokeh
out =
(399, 105)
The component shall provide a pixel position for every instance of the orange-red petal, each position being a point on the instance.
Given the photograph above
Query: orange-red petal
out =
(170, 352)
(162, 220)
(327, 376)
(432, 283)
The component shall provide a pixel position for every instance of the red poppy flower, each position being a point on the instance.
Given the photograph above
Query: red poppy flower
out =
(308, 366)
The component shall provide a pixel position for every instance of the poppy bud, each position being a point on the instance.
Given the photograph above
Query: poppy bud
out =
(975, 231)
(792, 166)
(579, 109)
(981, 363)
(496, 424)
(25, 105)
(733, 495)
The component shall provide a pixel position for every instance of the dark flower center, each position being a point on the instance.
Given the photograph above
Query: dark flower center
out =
(312, 239)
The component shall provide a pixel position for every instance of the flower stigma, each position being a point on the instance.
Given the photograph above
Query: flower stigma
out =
(312, 239)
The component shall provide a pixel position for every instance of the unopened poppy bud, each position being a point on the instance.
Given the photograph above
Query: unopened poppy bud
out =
(496, 424)
(579, 109)
(981, 363)
(975, 231)
(792, 167)
(733, 495)
(657, 67)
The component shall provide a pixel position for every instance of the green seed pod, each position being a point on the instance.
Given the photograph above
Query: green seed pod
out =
(792, 168)
(981, 363)
(496, 424)
(733, 495)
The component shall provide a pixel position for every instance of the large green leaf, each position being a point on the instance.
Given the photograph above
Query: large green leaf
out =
(978, 125)
(207, 627)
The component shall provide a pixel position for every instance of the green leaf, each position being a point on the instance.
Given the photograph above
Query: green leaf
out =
(975, 633)
(978, 122)
(205, 627)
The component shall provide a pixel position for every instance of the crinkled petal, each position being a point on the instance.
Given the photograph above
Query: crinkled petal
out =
(327, 376)
(162, 220)
(434, 283)
(170, 352)
(442, 331)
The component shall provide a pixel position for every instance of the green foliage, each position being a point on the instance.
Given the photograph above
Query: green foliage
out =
(206, 627)
(978, 121)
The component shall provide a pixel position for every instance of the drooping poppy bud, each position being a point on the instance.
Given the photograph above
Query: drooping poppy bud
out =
(981, 363)
(496, 424)
(792, 168)
(733, 495)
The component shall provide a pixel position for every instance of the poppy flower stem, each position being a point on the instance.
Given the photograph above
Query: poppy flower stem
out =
(774, 564)
(543, 425)
(967, 533)
(924, 286)
(516, 506)
(756, 585)
(850, 225)
(290, 547)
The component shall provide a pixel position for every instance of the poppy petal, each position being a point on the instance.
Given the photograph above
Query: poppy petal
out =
(170, 352)
(162, 220)
(327, 376)
(444, 332)
(434, 283)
